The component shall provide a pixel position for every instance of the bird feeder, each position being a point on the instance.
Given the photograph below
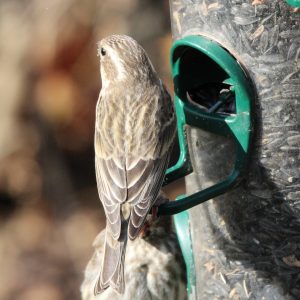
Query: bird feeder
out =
(236, 75)
(198, 62)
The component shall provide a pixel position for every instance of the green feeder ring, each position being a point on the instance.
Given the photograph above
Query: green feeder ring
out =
(186, 73)
(295, 3)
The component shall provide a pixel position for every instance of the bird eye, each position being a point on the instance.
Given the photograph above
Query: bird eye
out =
(103, 51)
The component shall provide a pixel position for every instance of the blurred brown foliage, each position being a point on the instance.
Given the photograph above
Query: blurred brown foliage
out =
(49, 83)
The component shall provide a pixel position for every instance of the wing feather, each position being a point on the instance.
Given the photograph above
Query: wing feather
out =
(136, 174)
(150, 193)
(111, 184)
(110, 192)
(117, 173)
(135, 192)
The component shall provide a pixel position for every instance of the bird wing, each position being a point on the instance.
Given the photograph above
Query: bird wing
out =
(145, 191)
(112, 189)
(145, 176)
(110, 169)
(136, 179)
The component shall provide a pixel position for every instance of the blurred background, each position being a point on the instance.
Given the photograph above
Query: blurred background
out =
(49, 85)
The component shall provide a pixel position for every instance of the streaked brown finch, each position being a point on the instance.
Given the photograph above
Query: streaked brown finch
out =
(135, 129)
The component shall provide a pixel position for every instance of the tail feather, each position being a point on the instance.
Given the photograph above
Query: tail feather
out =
(112, 269)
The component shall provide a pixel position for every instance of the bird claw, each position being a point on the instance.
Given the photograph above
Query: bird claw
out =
(145, 229)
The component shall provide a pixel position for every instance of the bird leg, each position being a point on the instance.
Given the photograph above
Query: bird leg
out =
(161, 199)
(148, 223)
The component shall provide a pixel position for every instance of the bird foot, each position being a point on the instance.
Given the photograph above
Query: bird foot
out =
(145, 229)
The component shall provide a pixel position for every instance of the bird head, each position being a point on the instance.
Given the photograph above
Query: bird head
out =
(122, 59)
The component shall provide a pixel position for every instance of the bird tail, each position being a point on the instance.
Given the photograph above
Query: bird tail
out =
(112, 269)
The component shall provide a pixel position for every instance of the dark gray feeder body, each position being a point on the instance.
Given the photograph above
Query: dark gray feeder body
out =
(246, 243)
